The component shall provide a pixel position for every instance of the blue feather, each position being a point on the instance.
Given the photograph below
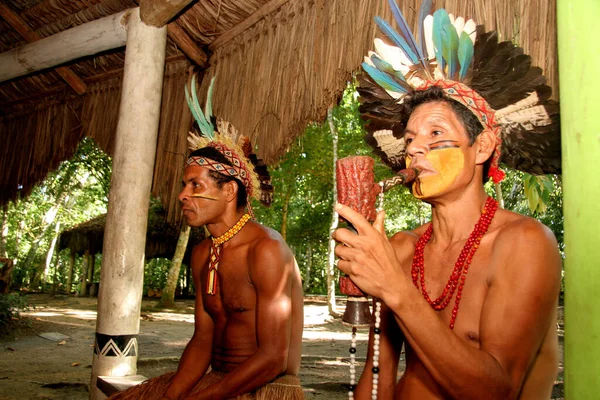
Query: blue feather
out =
(423, 12)
(204, 124)
(383, 79)
(450, 49)
(405, 29)
(397, 39)
(440, 19)
(465, 54)
(384, 66)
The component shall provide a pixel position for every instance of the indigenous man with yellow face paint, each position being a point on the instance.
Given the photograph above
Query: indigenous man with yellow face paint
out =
(472, 294)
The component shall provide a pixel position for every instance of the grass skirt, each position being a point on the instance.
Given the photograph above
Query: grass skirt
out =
(286, 387)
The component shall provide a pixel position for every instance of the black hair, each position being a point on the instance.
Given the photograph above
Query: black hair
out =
(434, 94)
(220, 179)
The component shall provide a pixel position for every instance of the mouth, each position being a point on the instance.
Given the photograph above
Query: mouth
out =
(425, 171)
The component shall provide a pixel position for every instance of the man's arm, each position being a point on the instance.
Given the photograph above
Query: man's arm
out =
(270, 265)
(515, 316)
(390, 345)
(197, 354)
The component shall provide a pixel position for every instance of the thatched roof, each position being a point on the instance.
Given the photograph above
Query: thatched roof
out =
(161, 236)
(280, 64)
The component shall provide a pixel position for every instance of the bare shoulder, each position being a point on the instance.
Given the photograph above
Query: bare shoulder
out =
(524, 247)
(268, 250)
(517, 232)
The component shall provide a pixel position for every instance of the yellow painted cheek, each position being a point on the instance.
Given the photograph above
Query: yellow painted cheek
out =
(448, 164)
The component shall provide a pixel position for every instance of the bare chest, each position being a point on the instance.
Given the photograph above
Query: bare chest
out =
(235, 294)
(456, 285)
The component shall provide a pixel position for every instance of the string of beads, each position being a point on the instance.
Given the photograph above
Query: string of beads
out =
(457, 279)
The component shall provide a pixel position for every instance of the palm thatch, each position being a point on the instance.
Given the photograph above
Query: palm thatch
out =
(279, 65)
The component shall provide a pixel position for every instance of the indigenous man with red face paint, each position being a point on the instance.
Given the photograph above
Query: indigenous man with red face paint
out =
(472, 294)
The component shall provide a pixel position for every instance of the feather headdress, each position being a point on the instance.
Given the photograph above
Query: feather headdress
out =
(243, 165)
(493, 80)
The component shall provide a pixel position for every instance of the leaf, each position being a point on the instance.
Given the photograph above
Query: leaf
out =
(62, 343)
(75, 364)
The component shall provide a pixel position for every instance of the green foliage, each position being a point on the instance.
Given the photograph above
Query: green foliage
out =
(10, 305)
(76, 192)
(539, 197)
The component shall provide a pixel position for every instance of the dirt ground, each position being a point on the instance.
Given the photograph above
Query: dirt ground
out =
(32, 367)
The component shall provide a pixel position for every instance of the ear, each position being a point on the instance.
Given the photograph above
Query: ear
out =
(230, 190)
(486, 143)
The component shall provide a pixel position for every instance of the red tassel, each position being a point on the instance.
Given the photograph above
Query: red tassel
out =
(496, 174)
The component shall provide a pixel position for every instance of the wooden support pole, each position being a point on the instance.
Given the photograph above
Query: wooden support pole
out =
(187, 45)
(158, 13)
(87, 39)
(122, 271)
(31, 36)
(580, 128)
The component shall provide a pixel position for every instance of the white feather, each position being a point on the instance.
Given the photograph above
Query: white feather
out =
(388, 143)
(459, 24)
(471, 29)
(428, 30)
(393, 55)
(451, 16)
(529, 118)
(394, 95)
(527, 102)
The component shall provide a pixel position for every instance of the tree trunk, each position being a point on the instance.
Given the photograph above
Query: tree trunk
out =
(57, 266)
(44, 275)
(69, 286)
(84, 273)
(168, 295)
(331, 306)
(91, 268)
(4, 231)
(308, 267)
(284, 213)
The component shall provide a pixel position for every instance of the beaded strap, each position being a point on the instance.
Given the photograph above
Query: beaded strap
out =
(215, 253)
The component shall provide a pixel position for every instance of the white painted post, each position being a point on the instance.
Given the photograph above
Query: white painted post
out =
(121, 281)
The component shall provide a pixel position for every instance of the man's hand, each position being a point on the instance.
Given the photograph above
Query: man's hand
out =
(368, 257)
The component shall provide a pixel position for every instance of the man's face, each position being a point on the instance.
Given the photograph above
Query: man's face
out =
(200, 211)
(437, 142)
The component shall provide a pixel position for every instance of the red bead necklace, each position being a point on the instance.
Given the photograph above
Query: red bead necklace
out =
(459, 274)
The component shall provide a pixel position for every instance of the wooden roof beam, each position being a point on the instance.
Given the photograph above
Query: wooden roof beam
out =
(30, 35)
(158, 13)
(186, 44)
(247, 23)
(83, 40)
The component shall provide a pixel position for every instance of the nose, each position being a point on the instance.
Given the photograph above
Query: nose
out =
(183, 195)
(417, 146)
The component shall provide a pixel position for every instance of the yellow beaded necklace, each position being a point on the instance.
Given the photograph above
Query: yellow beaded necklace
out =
(215, 253)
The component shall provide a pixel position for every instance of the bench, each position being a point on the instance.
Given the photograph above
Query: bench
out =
(110, 385)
